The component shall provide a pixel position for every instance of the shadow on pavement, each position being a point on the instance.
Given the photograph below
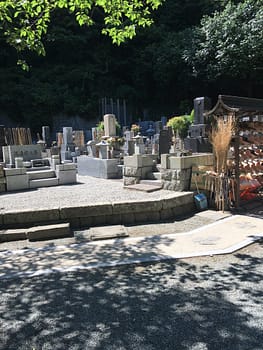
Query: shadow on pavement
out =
(172, 305)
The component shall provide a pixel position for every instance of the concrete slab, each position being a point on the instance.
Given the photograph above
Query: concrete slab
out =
(214, 215)
(12, 235)
(48, 232)
(143, 187)
(107, 232)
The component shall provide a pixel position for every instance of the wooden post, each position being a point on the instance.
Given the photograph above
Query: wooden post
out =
(237, 172)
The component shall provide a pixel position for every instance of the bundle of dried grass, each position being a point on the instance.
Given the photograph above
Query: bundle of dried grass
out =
(221, 135)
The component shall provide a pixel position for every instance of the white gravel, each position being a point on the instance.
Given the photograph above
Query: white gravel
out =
(88, 190)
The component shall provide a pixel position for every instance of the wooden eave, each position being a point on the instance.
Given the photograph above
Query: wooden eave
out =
(240, 106)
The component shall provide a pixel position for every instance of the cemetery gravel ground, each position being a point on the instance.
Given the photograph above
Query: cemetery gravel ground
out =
(88, 190)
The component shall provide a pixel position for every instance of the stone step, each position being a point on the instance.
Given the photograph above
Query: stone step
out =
(107, 232)
(30, 169)
(12, 235)
(42, 232)
(41, 174)
(52, 181)
(144, 187)
(48, 232)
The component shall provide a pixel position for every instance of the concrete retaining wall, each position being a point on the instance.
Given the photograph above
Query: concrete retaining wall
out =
(128, 212)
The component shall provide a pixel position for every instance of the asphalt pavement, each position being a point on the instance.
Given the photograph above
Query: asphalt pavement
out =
(208, 303)
(65, 296)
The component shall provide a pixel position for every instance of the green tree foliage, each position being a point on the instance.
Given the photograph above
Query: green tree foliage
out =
(153, 72)
(180, 124)
(230, 42)
(25, 22)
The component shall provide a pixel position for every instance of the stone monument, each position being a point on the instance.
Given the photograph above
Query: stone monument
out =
(197, 140)
(46, 136)
(109, 125)
(67, 146)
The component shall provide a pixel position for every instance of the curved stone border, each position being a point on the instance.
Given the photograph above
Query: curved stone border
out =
(127, 212)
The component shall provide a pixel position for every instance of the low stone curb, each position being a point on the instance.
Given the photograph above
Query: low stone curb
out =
(103, 213)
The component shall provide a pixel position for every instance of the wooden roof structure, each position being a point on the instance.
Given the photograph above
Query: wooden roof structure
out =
(239, 106)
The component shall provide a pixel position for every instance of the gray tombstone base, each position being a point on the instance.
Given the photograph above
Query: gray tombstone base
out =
(101, 168)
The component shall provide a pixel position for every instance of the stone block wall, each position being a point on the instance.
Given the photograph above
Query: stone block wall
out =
(176, 172)
(138, 167)
(176, 179)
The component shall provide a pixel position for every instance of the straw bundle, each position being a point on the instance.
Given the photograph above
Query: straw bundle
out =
(221, 136)
(221, 186)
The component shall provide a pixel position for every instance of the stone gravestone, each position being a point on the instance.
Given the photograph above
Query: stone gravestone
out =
(94, 134)
(164, 121)
(197, 140)
(139, 147)
(79, 139)
(68, 146)
(127, 136)
(201, 105)
(103, 149)
(26, 152)
(2, 141)
(158, 127)
(67, 135)
(164, 141)
(92, 149)
(46, 136)
(155, 144)
(109, 125)
(59, 139)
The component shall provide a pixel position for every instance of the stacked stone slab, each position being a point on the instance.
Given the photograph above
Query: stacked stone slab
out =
(176, 171)
(16, 179)
(138, 167)
(66, 173)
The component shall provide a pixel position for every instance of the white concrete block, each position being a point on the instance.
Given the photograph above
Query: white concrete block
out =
(138, 161)
(66, 166)
(17, 182)
(53, 181)
(14, 171)
(67, 177)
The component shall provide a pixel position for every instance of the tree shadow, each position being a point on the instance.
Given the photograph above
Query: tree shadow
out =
(206, 305)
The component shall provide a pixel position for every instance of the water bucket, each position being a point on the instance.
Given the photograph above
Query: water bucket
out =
(200, 201)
